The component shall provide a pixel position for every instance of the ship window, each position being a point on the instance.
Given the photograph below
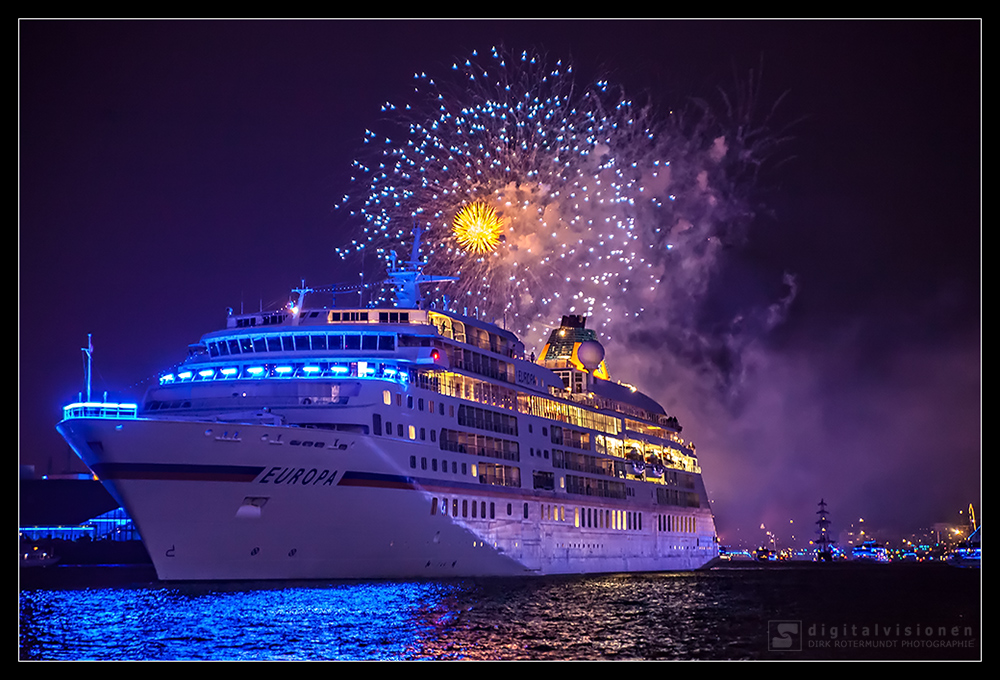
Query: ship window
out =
(465, 507)
(464, 468)
(377, 423)
(434, 505)
(246, 345)
(474, 510)
(234, 346)
(352, 342)
(369, 342)
(413, 432)
(413, 462)
(287, 343)
(433, 435)
(423, 434)
(319, 342)
(493, 509)
(441, 408)
(273, 343)
(387, 397)
(434, 464)
(423, 463)
(525, 511)
(510, 509)
(387, 343)
(409, 401)
(388, 427)
(454, 507)
(399, 430)
(420, 404)
(335, 342)
(259, 345)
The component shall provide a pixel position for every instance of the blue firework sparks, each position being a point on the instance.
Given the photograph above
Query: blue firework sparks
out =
(608, 210)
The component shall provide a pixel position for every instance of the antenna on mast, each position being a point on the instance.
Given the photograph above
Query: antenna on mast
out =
(406, 277)
(89, 353)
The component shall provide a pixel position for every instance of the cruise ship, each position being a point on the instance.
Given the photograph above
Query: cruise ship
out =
(396, 442)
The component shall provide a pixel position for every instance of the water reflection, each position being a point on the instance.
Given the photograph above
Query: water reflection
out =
(703, 615)
(572, 617)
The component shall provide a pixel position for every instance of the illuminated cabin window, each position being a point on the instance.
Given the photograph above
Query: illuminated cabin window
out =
(347, 316)
(413, 432)
(497, 474)
(386, 397)
(479, 445)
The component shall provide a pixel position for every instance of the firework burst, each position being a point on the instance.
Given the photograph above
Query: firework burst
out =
(478, 229)
(595, 205)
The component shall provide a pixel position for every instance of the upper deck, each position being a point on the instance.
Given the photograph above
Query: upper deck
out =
(365, 343)
(401, 346)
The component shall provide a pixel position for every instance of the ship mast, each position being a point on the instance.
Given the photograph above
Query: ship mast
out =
(88, 352)
(407, 277)
(825, 552)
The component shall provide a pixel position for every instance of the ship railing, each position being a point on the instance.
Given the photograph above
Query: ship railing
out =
(93, 409)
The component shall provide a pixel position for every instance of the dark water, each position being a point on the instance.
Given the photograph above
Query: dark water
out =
(907, 611)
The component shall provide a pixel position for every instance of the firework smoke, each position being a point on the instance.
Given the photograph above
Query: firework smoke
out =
(607, 209)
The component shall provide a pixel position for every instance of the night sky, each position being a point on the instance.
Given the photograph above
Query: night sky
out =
(170, 169)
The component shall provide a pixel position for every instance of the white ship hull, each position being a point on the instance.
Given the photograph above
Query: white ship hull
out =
(218, 501)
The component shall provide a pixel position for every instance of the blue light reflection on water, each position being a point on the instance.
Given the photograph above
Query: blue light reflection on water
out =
(668, 616)
(344, 621)
(703, 615)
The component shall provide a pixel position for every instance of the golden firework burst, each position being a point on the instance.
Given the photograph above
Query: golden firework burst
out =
(478, 228)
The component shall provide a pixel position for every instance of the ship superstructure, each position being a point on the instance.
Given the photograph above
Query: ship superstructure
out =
(396, 442)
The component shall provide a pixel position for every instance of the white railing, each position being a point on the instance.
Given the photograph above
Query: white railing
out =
(94, 409)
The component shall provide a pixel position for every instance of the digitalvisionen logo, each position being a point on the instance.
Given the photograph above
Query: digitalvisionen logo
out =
(784, 636)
